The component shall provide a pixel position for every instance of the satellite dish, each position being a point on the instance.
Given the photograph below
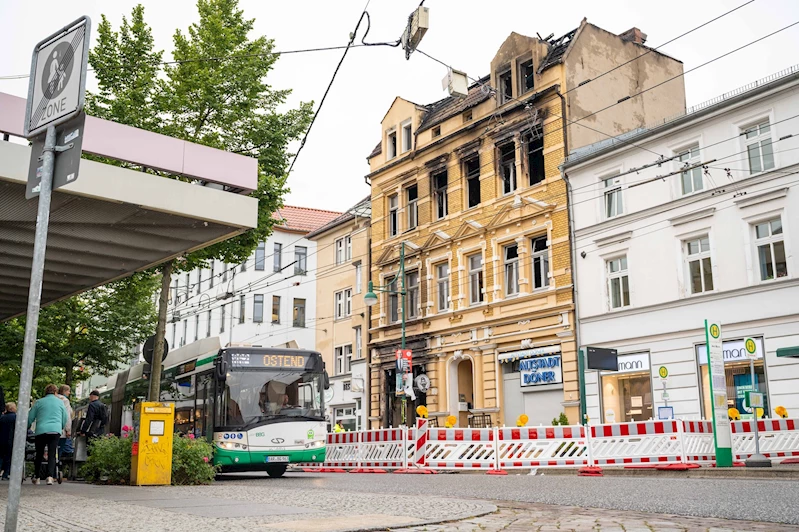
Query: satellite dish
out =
(329, 393)
(149, 345)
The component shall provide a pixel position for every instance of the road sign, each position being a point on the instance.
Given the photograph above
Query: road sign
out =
(58, 77)
(149, 347)
(753, 400)
(718, 393)
(751, 348)
(663, 372)
(69, 142)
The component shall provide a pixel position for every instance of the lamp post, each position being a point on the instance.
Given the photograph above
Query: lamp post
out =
(370, 299)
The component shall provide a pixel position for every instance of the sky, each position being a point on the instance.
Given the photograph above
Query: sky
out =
(465, 34)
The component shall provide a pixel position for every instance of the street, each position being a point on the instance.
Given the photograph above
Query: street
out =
(309, 501)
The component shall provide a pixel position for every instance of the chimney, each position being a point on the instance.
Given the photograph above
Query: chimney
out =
(633, 35)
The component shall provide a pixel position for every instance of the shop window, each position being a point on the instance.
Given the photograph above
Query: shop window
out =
(535, 158)
(627, 394)
(442, 282)
(412, 205)
(540, 258)
(475, 279)
(770, 245)
(691, 179)
(618, 283)
(737, 378)
(759, 150)
(700, 267)
(393, 215)
(511, 258)
(472, 172)
(507, 167)
(440, 194)
(347, 417)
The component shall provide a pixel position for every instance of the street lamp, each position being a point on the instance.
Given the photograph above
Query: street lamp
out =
(370, 299)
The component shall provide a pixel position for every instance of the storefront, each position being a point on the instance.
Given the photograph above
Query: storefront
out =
(532, 384)
(626, 394)
(738, 376)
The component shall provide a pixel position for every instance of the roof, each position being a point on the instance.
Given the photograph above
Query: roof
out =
(557, 47)
(302, 219)
(361, 209)
(377, 151)
(437, 112)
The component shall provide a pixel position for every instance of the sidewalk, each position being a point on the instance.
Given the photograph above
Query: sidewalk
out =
(246, 506)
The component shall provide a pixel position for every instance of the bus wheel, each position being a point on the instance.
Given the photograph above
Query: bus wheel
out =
(276, 470)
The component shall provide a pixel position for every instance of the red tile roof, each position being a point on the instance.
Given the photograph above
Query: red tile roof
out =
(302, 219)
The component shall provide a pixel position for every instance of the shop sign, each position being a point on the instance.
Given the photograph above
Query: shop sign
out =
(632, 363)
(541, 371)
(734, 351)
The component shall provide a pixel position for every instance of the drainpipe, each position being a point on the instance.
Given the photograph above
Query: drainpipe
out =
(572, 258)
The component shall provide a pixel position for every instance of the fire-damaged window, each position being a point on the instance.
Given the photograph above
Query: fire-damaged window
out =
(440, 194)
(504, 87)
(507, 167)
(526, 76)
(534, 144)
(472, 171)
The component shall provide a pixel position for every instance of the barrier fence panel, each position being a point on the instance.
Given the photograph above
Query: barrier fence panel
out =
(779, 438)
(528, 447)
(383, 448)
(461, 449)
(698, 444)
(645, 442)
(342, 450)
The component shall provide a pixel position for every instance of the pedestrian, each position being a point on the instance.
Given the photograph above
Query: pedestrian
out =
(338, 428)
(50, 416)
(7, 423)
(65, 442)
(96, 418)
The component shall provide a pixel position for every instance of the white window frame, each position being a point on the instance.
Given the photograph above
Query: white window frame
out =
(344, 249)
(690, 155)
(343, 359)
(477, 276)
(442, 287)
(393, 297)
(358, 278)
(612, 196)
(441, 195)
(699, 257)
(342, 301)
(513, 181)
(759, 138)
(407, 143)
(392, 151)
(510, 271)
(412, 206)
(540, 260)
(256, 316)
(358, 343)
(770, 240)
(196, 326)
(622, 275)
(412, 294)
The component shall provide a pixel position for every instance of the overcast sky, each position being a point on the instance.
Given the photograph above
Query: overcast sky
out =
(464, 33)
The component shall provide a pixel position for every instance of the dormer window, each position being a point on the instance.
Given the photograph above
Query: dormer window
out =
(407, 139)
(505, 87)
(391, 144)
(526, 76)
(436, 131)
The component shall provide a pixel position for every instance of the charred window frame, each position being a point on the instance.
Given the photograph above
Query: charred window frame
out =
(534, 145)
(439, 183)
(471, 169)
(526, 74)
(507, 167)
(504, 87)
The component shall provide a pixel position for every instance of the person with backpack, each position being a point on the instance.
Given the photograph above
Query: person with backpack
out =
(7, 423)
(50, 416)
(96, 418)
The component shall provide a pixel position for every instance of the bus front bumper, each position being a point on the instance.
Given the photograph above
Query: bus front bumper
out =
(235, 459)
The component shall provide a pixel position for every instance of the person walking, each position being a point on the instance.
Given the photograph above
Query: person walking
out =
(96, 418)
(50, 416)
(65, 442)
(7, 422)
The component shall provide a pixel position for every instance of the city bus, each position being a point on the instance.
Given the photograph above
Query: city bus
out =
(263, 408)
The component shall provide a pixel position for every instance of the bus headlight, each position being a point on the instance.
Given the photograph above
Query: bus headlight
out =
(315, 444)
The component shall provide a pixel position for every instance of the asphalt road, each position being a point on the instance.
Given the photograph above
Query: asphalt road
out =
(746, 499)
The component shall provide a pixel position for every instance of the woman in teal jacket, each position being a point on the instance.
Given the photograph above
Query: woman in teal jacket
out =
(50, 416)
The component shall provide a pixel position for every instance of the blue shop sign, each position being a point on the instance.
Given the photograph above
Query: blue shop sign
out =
(541, 370)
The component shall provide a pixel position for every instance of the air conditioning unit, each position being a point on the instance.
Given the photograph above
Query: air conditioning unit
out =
(456, 83)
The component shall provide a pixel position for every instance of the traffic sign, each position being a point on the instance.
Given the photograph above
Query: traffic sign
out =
(753, 400)
(751, 347)
(69, 142)
(663, 372)
(58, 77)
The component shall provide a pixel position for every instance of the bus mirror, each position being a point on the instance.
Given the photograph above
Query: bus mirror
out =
(221, 370)
(327, 381)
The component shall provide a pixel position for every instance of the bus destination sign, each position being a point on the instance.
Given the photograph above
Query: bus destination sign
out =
(258, 360)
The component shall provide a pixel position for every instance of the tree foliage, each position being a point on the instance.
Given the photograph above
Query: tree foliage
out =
(89, 333)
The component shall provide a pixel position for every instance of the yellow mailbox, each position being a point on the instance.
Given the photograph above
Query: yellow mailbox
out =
(151, 463)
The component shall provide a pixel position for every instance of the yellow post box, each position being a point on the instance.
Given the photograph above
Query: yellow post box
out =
(151, 463)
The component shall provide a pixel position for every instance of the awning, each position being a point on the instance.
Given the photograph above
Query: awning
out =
(527, 353)
(788, 351)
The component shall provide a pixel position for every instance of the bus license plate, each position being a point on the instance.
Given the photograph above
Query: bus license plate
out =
(276, 458)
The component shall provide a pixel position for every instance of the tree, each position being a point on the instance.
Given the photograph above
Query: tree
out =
(215, 94)
(89, 333)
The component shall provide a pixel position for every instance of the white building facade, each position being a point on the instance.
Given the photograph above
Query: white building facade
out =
(269, 300)
(658, 250)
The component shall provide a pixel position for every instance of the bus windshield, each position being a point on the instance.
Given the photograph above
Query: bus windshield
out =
(249, 397)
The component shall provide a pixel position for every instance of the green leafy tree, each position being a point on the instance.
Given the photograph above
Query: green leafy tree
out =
(89, 333)
(214, 94)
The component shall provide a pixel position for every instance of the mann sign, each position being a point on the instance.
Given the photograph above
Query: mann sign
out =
(541, 370)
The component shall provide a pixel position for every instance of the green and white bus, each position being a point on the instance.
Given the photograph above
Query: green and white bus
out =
(263, 408)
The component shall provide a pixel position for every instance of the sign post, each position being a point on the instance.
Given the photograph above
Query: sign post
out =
(55, 96)
(754, 400)
(718, 395)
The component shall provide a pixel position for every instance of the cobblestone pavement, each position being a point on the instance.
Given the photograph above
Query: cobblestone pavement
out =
(541, 517)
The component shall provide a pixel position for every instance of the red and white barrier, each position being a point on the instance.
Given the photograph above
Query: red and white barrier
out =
(461, 449)
(383, 448)
(342, 450)
(529, 447)
(698, 444)
(779, 438)
(645, 442)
